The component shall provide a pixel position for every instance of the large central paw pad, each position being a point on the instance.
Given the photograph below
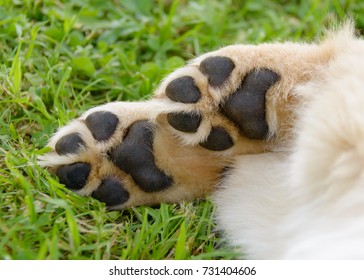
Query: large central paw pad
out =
(135, 156)
(246, 106)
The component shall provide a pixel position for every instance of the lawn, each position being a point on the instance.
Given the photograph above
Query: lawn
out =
(59, 58)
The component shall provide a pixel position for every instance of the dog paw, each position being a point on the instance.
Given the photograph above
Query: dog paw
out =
(234, 101)
(117, 153)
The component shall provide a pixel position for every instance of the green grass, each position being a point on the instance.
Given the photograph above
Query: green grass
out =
(59, 59)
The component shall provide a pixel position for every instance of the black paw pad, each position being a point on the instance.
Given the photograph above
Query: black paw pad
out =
(218, 140)
(69, 144)
(102, 124)
(135, 157)
(183, 90)
(217, 69)
(246, 107)
(186, 122)
(111, 192)
(74, 176)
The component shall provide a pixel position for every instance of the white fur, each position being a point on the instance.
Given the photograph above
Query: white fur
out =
(308, 203)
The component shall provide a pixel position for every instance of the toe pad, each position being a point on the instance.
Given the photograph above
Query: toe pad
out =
(218, 140)
(185, 122)
(102, 124)
(184, 90)
(111, 192)
(69, 144)
(74, 176)
(217, 69)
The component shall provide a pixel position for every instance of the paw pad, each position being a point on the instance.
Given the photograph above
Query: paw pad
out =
(102, 124)
(186, 122)
(183, 89)
(135, 157)
(111, 192)
(217, 69)
(69, 144)
(218, 140)
(246, 107)
(74, 176)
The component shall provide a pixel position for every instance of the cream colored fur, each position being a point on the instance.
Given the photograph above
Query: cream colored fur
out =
(307, 202)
